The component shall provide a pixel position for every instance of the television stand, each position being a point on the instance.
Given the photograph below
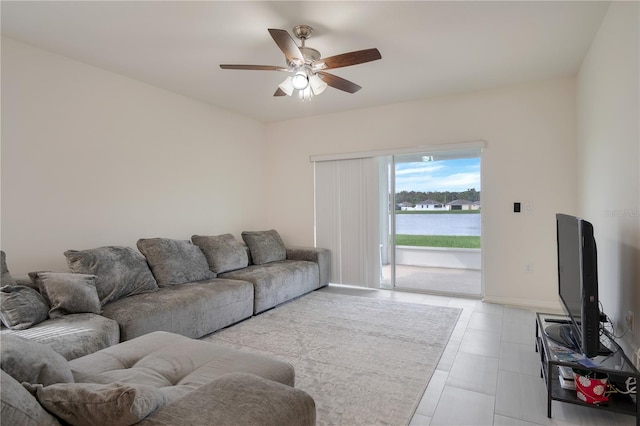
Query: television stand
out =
(614, 363)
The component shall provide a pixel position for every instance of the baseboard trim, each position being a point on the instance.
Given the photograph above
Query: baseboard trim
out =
(546, 306)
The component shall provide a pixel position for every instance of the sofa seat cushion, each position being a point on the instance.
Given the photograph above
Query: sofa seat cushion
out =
(168, 360)
(277, 282)
(191, 309)
(73, 335)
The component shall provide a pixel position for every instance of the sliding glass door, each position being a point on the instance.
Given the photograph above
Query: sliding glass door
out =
(432, 239)
(409, 220)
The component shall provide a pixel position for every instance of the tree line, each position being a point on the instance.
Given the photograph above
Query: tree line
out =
(415, 197)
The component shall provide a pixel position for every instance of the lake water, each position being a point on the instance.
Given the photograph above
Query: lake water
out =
(438, 224)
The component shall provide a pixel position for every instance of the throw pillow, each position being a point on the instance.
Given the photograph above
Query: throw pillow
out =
(36, 282)
(69, 293)
(119, 271)
(175, 261)
(265, 246)
(21, 307)
(5, 277)
(114, 404)
(223, 252)
(19, 407)
(33, 362)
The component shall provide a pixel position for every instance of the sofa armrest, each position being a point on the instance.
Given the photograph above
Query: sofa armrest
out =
(239, 399)
(319, 255)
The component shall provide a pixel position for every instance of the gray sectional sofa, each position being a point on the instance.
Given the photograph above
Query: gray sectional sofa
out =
(172, 290)
(157, 379)
(192, 289)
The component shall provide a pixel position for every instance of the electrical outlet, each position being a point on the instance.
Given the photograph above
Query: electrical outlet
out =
(629, 320)
(529, 267)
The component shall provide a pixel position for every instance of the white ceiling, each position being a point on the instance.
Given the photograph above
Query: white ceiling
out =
(428, 48)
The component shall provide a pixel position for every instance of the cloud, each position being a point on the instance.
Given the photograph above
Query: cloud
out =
(421, 170)
(447, 175)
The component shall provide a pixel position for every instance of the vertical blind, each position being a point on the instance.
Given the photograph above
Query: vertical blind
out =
(347, 218)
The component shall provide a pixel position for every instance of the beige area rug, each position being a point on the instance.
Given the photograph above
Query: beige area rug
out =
(364, 361)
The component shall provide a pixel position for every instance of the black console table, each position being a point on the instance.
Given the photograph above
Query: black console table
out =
(616, 365)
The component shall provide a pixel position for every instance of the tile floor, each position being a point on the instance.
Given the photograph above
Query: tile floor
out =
(489, 372)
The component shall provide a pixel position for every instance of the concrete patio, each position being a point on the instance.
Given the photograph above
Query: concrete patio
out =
(436, 280)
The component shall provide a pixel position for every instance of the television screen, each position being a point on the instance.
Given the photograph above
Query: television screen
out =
(578, 283)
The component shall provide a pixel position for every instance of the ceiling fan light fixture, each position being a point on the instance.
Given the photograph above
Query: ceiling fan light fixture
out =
(305, 94)
(317, 84)
(287, 86)
(300, 80)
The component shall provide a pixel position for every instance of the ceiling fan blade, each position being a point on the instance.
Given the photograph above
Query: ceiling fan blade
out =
(288, 46)
(253, 67)
(280, 92)
(351, 58)
(339, 82)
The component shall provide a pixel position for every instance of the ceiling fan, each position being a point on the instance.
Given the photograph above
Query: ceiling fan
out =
(308, 69)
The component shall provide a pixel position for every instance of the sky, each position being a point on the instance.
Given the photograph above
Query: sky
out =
(446, 175)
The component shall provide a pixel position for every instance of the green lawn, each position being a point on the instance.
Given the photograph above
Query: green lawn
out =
(438, 241)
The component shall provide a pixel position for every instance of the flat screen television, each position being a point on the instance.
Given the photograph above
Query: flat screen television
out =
(577, 286)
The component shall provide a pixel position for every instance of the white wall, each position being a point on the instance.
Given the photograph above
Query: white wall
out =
(609, 158)
(91, 158)
(530, 157)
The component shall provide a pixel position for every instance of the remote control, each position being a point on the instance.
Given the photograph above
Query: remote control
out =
(557, 321)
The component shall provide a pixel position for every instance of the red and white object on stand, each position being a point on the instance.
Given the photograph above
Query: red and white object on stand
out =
(591, 387)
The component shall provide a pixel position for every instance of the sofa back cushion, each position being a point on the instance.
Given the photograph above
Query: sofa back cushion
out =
(175, 261)
(265, 246)
(21, 307)
(19, 407)
(223, 252)
(32, 362)
(119, 271)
